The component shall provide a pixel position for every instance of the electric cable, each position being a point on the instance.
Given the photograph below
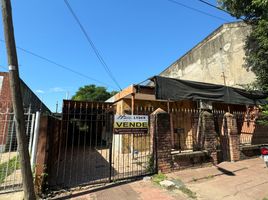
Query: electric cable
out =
(197, 10)
(93, 46)
(57, 64)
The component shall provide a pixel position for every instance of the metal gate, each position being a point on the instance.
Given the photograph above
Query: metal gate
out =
(10, 173)
(88, 152)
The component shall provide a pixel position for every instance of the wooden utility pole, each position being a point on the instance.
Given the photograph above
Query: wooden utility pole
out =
(27, 177)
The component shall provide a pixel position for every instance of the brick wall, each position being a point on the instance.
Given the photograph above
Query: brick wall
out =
(160, 126)
(210, 136)
(252, 133)
(29, 99)
(232, 136)
(5, 95)
(190, 159)
(260, 135)
(5, 103)
(247, 152)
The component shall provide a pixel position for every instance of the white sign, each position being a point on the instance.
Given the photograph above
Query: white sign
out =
(131, 123)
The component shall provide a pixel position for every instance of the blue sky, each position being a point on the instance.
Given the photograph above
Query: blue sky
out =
(136, 38)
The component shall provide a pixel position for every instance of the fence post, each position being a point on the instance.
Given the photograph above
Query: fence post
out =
(209, 134)
(161, 134)
(46, 125)
(233, 137)
(35, 139)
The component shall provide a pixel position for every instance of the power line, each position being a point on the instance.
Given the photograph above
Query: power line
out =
(205, 2)
(219, 8)
(197, 10)
(105, 66)
(59, 65)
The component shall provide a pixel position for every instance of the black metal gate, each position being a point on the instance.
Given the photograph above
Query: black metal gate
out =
(85, 150)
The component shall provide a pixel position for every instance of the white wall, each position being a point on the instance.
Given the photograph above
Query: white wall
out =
(222, 51)
(1, 83)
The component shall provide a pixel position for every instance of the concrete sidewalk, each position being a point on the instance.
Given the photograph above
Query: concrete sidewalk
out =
(138, 190)
(243, 180)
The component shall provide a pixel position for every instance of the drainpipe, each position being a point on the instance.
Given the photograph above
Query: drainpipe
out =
(35, 139)
(31, 134)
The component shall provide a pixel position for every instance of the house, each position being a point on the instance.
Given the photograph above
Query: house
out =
(85, 148)
(31, 104)
(215, 62)
(217, 59)
(182, 99)
(28, 96)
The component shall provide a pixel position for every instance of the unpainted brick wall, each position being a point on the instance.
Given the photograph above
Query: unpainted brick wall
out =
(232, 136)
(5, 103)
(160, 126)
(210, 136)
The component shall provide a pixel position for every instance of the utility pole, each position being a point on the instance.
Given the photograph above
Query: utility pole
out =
(224, 78)
(57, 104)
(27, 177)
(223, 75)
(222, 68)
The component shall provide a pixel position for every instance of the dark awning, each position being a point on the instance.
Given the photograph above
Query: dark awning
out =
(175, 90)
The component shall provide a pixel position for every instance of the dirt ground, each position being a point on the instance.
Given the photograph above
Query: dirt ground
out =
(13, 179)
(4, 157)
(11, 196)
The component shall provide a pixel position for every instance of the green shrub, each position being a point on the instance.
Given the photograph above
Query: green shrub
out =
(11, 165)
(157, 178)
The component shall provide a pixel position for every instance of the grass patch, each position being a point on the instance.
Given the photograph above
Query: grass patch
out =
(157, 178)
(265, 198)
(188, 192)
(11, 165)
(150, 165)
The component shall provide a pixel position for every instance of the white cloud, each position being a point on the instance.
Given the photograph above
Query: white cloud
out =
(57, 89)
(39, 91)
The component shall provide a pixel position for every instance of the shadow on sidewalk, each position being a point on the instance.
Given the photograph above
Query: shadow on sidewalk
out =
(225, 171)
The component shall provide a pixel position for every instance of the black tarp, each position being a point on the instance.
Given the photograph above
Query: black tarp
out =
(176, 89)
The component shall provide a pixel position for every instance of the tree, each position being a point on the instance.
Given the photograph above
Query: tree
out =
(254, 13)
(263, 119)
(92, 93)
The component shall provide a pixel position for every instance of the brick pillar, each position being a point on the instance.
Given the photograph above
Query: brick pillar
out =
(161, 134)
(209, 134)
(233, 137)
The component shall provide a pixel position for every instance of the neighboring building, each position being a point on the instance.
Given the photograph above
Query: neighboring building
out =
(29, 98)
(31, 104)
(183, 103)
(221, 53)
